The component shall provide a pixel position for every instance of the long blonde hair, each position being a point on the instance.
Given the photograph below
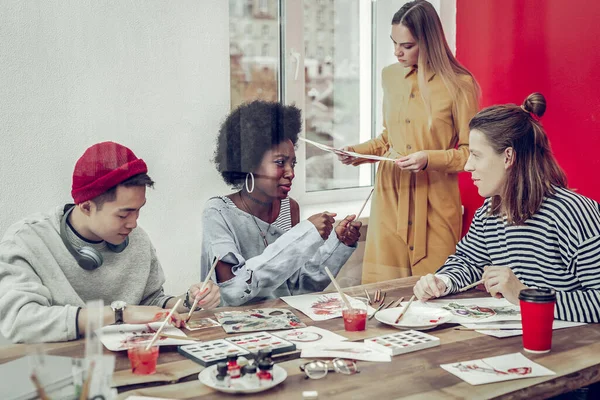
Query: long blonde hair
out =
(424, 24)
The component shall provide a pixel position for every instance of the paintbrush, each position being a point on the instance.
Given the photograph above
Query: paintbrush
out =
(212, 268)
(364, 204)
(472, 285)
(378, 309)
(162, 326)
(405, 309)
(339, 289)
(397, 302)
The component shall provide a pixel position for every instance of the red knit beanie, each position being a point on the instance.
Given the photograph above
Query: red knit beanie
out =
(101, 167)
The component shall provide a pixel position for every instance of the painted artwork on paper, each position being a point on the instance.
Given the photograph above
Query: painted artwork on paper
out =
(478, 309)
(496, 369)
(349, 350)
(320, 307)
(260, 319)
(201, 323)
(478, 312)
(114, 337)
(310, 336)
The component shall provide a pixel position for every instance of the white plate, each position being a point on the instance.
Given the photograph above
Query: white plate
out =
(207, 377)
(417, 317)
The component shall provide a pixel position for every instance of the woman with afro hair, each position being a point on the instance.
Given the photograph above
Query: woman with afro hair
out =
(263, 250)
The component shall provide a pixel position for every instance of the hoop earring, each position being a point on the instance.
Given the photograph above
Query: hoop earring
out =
(250, 174)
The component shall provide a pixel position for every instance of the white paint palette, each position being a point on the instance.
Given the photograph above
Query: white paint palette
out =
(212, 352)
(402, 342)
(253, 342)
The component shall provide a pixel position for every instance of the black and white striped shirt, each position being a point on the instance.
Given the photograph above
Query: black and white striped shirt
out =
(559, 248)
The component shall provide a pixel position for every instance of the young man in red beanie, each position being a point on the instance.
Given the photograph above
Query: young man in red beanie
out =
(52, 264)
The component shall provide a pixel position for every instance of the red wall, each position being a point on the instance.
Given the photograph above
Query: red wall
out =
(516, 47)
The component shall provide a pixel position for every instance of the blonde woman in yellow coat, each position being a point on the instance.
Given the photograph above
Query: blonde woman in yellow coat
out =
(429, 98)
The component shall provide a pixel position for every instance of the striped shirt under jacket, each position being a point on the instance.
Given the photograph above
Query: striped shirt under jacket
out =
(559, 248)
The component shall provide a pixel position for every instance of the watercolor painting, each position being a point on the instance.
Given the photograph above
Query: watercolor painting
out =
(114, 337)
(349, 350)
(201, 323)
(478, 312)
(321, 307)
(260, 319)
(478, 309)
(496, 369)
(310, 336)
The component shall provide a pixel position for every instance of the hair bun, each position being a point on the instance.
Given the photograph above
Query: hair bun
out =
(535, 103)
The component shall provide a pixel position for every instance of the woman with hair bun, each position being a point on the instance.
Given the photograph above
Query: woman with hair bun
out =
(531, 232)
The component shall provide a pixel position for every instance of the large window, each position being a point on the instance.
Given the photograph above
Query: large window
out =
(253, 51)
(309, 53)
(326, 57)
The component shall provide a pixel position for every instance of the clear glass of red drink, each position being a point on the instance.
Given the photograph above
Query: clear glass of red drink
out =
(143, 359)
(355, 319)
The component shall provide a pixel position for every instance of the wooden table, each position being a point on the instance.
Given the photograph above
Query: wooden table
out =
(575, 357)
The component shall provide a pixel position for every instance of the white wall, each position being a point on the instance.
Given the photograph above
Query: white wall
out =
(150, 74)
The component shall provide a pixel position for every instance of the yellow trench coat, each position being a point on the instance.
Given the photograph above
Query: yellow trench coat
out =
(416, 218)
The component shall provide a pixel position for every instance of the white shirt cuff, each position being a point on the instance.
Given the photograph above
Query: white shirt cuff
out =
(447, 282)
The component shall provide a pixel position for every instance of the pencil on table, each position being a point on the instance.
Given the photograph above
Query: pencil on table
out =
(405, 309)
(368, 297)
(397, 302)
(472, 285)
(212, 268)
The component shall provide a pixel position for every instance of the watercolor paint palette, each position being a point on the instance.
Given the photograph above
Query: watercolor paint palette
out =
(402, 342)
(254, 342)
(212, 352)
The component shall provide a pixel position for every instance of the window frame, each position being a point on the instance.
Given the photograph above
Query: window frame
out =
(293, 92)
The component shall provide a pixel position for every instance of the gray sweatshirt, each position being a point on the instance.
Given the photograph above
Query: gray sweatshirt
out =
(292, 264)
(42, 286)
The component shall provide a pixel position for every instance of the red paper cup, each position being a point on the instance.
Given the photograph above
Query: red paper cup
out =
(537, 313)
(143, 362)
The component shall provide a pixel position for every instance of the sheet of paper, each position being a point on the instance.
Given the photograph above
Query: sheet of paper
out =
(344, 152)
(350, 350)
(496, 369)
(320, 307)
(114, 337)
(201, 323)
(515, 327)
(310, 336)
(478, 309)
(259, 319)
